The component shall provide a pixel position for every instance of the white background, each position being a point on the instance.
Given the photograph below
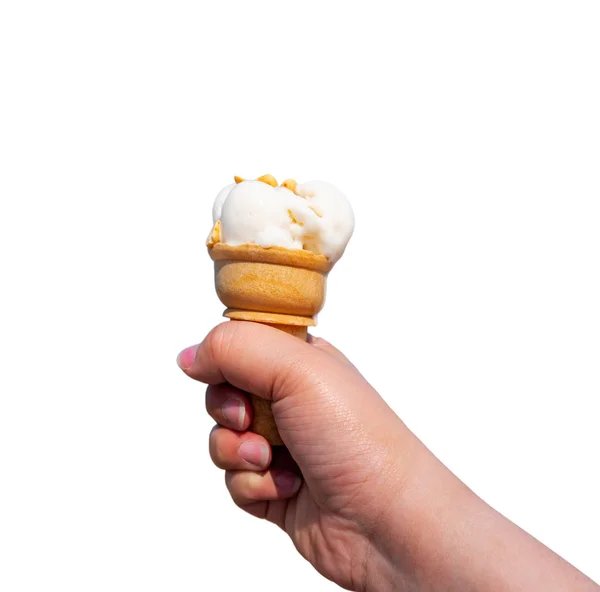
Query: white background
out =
(467, 136)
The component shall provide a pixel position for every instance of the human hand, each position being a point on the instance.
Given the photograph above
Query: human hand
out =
(360, 496)
(336, 428)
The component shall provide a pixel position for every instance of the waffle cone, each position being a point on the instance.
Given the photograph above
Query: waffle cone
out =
(283, 288)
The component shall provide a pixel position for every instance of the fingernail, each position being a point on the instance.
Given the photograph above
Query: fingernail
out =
(234, 411)
(186, 358)
(287, 483)
(255, 453)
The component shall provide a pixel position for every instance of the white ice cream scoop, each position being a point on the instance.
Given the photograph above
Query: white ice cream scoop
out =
(313, 216)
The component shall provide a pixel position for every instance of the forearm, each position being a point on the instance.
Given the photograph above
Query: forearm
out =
(441, 536)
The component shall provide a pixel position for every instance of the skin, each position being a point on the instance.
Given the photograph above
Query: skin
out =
(360, 496)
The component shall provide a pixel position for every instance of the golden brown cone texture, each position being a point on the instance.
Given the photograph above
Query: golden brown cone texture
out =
(283, 288)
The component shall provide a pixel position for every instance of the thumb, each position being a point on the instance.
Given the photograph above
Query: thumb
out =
(316, 396)
(258, 359)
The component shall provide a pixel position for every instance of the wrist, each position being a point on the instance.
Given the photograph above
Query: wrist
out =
(418, 537)
(438, 535)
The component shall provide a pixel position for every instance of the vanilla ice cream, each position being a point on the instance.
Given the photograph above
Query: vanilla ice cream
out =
(313, 216)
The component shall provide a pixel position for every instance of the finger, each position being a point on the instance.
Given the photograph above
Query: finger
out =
(255, 358)
(231, 450)
(228, 406)
(272, 510)
(275, 510)
(247, 487)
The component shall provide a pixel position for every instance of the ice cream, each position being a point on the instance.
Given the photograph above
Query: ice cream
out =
(273, 246)
(313, 216)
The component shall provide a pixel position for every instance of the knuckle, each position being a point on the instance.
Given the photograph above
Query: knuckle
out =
(208, 399)
(215, 448)
(219, 340)
(242, 486)
(232, 484)
(212, 400)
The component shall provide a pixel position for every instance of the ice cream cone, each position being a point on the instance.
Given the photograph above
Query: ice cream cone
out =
(283, 288)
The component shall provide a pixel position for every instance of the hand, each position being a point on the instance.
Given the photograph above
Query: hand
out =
(335, 426)
(360, 496)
